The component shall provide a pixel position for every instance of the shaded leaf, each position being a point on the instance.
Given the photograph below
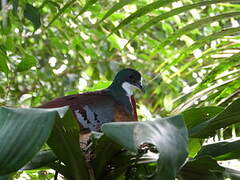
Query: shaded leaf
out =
(15, 6)
(104, 150)
(32, 13)
(42, 158)
(22, 133)
(1, 90)
(222, 150)
(228, 116)
(232, 173)
(195, 116)
(64, 141)
(162, 135)
(6, 177)
(204, 168)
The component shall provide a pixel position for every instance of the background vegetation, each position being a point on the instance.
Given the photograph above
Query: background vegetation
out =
(188, 52)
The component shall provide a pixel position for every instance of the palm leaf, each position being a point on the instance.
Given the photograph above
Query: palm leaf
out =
(191, 27)
(171, 13)
(115, 7)
(142, 11)
(186, 51)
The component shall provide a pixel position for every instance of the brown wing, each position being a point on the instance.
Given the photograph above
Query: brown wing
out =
(92, 109)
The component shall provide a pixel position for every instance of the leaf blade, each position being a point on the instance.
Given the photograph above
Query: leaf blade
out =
(23, 132)
(133, 136)
(27, 62)
(32, 13)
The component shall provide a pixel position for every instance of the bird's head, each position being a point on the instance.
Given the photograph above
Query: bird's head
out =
(128, 79)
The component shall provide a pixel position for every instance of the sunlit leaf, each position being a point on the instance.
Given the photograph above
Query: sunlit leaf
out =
(142, 11)
(88, 4)
(27, 62)
(184, 53)
(192, 26)
(194, 146)
(116, 7)
(3, 63)
(61, 11)
(173, 12)
(98, 86)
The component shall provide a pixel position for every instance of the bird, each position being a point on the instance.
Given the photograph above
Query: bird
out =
(115, 103)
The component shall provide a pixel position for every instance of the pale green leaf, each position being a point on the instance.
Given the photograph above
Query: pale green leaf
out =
(142, 11)
(116, 7)
(192, 26)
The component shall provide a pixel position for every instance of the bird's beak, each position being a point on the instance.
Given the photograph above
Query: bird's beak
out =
(140, 86)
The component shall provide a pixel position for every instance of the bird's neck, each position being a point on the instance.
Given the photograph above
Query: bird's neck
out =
(123, 94)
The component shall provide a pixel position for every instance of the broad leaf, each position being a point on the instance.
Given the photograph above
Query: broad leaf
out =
(228, 116)
(27, 62)
(41, 159)
(204, 168)
(22, 134)
(104, 151)
(194, 145)
(221, 150)
(64, 141)
(32, 13)
(162, 136)
(195, 116)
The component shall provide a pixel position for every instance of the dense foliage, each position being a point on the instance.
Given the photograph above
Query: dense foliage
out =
(188, 52)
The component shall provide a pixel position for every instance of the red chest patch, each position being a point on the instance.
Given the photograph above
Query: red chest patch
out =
(133, 103)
